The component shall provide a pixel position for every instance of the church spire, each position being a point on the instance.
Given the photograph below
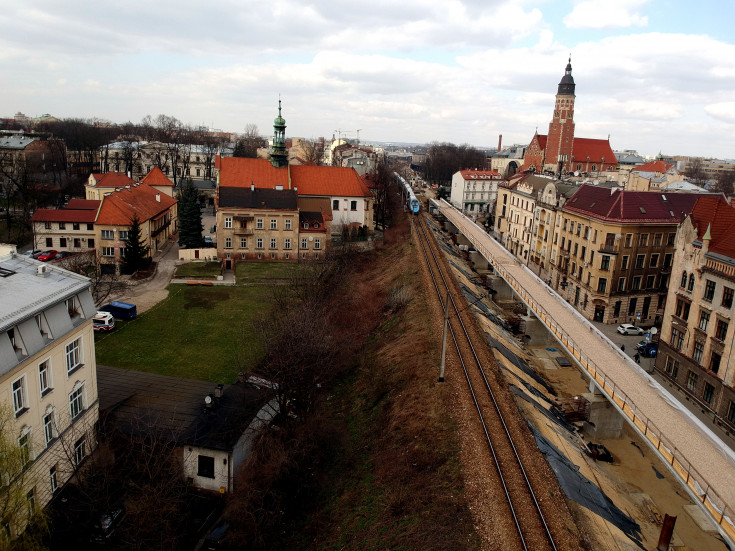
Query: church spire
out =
(566, 85)
(279, 155)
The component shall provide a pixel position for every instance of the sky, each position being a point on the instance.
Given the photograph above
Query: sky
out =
(654, 75)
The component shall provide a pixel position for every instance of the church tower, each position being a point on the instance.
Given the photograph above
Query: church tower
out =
(279, 155)
(561, 128)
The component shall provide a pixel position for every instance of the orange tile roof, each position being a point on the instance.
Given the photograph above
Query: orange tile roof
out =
(309, 180)
(156, 177)
(474, 174)
(714, 212)
(596, 150)
(112, 179)
(653, 166)
(119, 207)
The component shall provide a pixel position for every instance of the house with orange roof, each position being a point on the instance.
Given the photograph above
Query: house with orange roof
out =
(156, 211)
(652, 176)
(68, 229)
(98, 184)
(698, 331)
(351, 201)
(475, 191)
(159, 181)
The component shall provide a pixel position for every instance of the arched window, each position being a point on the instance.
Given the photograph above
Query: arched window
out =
(683, 283)
(691, 282)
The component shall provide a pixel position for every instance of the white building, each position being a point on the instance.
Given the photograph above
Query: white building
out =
(475, 191)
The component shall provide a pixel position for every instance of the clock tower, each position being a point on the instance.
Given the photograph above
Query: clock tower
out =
(560, 140)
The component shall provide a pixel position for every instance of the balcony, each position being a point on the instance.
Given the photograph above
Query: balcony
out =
(609, 248)
(243, 231)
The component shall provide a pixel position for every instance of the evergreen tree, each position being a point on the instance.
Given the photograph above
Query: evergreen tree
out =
(136, 253)
(190, 217)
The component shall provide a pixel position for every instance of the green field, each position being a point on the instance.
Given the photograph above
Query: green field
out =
(207, 333)
(254, 272)
(199, 269)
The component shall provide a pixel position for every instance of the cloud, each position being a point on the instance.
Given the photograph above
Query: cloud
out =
(606, 14)
(724, 111)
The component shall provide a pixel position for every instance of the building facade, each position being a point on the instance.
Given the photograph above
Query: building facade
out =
(47, 377)
(475, 191)
(698, 333)
(68, 229)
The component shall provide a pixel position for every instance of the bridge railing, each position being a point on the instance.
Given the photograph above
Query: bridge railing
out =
(678, 463)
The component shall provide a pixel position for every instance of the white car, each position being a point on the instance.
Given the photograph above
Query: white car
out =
(629, 329)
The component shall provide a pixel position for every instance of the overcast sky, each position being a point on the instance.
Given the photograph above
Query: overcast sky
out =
(655, 75)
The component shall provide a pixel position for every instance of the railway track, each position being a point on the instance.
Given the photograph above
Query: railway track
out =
(529, 527)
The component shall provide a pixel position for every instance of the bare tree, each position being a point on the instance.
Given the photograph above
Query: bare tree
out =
(105, 283)
(694, 172)
(726, 182)
(248, 143)
(311, 152)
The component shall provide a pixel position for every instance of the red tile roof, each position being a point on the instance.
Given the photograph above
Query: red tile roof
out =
(64, 215)
(156, 177)
(474, 174)
(618, 205)
(309, 180)
(542, 141)
(112, 179)
(119, 207)
(653, 166)
(596, 150)
(83, 204)
(714, 212)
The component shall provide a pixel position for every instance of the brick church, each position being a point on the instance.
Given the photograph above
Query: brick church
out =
(560, 151)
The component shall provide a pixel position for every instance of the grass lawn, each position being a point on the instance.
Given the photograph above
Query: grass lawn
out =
(251, 272)
(197, 333)
(199, 269)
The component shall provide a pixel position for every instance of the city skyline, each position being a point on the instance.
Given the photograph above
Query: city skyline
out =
(654, 76)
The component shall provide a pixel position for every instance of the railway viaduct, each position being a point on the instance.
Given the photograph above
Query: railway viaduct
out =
(699, 460)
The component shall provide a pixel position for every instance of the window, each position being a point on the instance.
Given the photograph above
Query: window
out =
(122, 252)
(123, 235)
(90, 243)
(698, 352)
(654, 261)
(631, 306)
(62, 225)
(47, 225)
(31, 497)
(576, 248)
(643, 240)
(691, 283)
(259, 243)
(714, 362)
(44, 376)
(335, 203)
(80, 450)
(640, 260)
(228, 222)
(108, 252)
(317, 244)
(20, 397)
(731, 412)
(628, 239)
(205, 466)
(709, 393)
(274, 242)
(90, 227)
(62, 242)
(636, 283)
(49, 242)
(671, 238)
(353, 205)
(650, 281)
(228, 242)
(677, 338)
(108, 234)
(243, 242)
(621, 284)
(304, 243)
(657, 237)
(52, 478)
(24, 443)
(672, 366)
(709, 290)
(274, 224)
(602, 285)
(288, 224)
(721, 329)
(287, 244)
(692, 381)
(605, 262)
(727, 294)
(682, 309)
(73, 355)
(703, 320)
(76, 402)
(49, 427)
(624, 263)
(75, 226)
(259, 224)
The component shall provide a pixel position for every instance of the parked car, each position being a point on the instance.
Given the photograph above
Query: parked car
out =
(104, 528)
(214, 539)
(648, 350)
(103, 321)
(629, 329)
(33, 253)
(45, 256)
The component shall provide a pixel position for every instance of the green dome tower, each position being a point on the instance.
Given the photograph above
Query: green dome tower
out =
(279, 155)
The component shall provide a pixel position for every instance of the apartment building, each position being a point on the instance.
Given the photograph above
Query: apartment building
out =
(698, 332)
(475, 191)
(48, 384)
(68, 229)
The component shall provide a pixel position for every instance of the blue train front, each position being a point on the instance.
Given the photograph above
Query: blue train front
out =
(411, 202)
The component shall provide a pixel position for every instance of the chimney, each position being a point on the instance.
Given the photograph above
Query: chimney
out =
(252, 186)
(41, 271)
(500, 142)
(158, 197)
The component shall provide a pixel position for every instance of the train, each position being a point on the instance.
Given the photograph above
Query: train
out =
(412, 203)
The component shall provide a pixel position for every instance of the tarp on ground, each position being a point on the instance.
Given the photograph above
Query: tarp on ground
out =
(553, 413)
(580, 489)
(518, 362)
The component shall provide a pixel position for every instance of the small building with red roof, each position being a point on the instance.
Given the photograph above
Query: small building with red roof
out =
(159, 181)
(475, 191)
(156, 211)
(698, 330)
(68, 229)
(98, 184)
